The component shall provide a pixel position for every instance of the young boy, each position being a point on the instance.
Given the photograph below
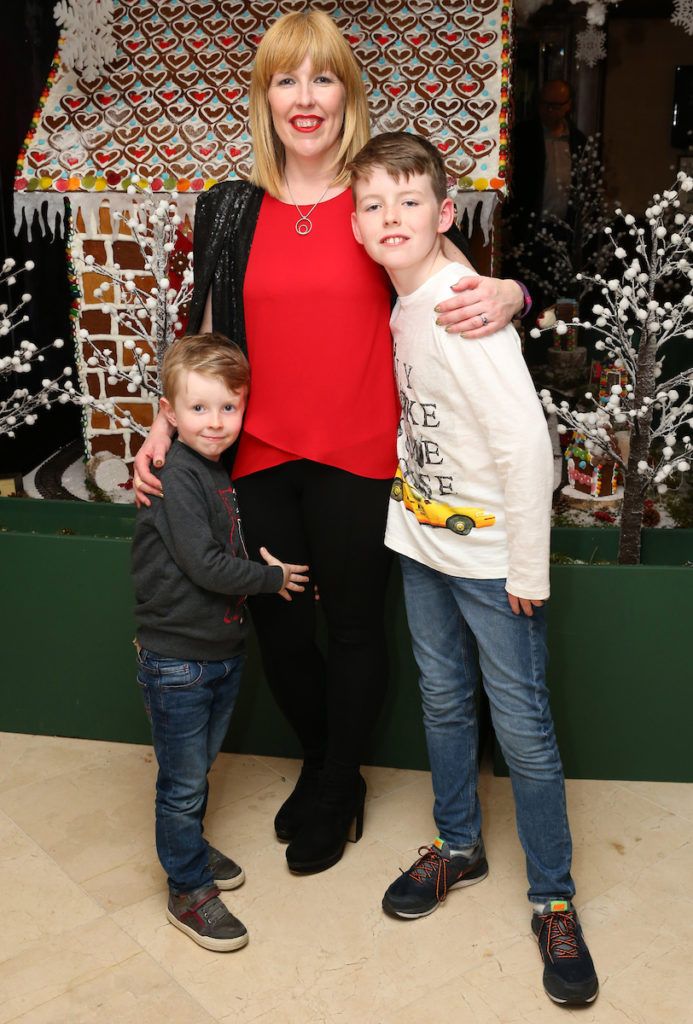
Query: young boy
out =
(191, 575)
(469, 517)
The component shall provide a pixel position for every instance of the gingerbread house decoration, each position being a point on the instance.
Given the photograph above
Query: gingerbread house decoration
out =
(610, 377)
(594, 474)
(169, 112)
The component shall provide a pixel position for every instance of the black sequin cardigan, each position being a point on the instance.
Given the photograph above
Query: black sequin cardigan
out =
(225, 220)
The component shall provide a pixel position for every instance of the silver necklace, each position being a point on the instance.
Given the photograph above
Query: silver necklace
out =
(304, 224)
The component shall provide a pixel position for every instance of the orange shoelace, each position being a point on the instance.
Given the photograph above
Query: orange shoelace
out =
(430, 864)
(562, 937)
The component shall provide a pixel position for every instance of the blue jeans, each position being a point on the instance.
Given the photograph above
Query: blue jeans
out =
(189, 706)
(461, 628)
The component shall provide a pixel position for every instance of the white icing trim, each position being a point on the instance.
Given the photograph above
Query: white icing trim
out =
(52, 209)
(468, 202)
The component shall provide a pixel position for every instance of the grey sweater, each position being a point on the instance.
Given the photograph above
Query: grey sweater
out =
(189, 564)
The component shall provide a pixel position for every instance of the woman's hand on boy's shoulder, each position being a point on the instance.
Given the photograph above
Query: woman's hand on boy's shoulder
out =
(482, 306)
(152, 453)
(144, 481)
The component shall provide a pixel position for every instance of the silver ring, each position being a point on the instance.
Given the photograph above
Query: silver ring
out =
(484, 319)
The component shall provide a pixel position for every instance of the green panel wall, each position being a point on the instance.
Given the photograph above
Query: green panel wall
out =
(620, 670)
(66, 611)
(659, 547)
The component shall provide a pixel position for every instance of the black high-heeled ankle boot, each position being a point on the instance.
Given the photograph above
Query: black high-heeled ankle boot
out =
(336, 819)
(299, 807)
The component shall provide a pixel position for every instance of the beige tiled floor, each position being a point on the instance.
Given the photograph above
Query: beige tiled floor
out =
(84, 938)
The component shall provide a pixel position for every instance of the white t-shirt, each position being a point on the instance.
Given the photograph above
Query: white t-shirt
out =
(474, 450)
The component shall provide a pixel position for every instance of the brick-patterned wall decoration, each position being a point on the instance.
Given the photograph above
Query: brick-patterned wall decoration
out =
(110, 244)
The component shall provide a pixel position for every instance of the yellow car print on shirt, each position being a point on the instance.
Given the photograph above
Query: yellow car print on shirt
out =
(436, 513)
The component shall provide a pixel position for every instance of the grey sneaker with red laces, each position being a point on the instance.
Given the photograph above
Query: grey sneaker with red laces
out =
(206, 920)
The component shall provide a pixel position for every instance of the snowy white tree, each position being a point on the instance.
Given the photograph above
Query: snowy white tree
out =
(634, 322)
(23, 404)
(152, 317)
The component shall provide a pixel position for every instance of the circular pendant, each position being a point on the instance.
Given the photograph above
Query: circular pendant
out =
(303, 226)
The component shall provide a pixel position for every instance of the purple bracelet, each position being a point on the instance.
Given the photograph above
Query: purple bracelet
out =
(527, 298)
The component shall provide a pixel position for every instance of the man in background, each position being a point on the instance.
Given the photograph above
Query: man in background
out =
(544, 154)
(544, 151)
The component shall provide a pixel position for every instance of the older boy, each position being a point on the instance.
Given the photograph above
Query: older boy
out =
(191, 574)
(469, 517)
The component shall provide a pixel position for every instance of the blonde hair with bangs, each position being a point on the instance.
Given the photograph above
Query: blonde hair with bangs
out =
(283, 48)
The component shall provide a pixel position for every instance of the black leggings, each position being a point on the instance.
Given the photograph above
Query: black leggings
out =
(334, 521)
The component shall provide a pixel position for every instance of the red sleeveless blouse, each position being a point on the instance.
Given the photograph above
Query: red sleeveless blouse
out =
(317, 313)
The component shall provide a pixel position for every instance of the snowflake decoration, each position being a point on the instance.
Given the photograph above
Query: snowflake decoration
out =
(89, 43)
(591, 46)
(683, 15)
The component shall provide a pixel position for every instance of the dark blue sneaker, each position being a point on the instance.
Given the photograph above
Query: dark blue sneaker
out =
(418, 891)
(569, 975)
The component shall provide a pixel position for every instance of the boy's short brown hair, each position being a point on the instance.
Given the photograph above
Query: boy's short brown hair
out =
(210, 354)
(401, 154)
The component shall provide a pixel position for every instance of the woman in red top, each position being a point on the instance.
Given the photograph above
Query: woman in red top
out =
(277, 268)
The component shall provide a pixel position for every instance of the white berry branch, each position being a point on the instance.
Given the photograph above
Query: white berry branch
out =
(23, 404)
(634, 322)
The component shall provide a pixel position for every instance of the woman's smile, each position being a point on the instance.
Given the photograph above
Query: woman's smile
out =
(306, 124)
